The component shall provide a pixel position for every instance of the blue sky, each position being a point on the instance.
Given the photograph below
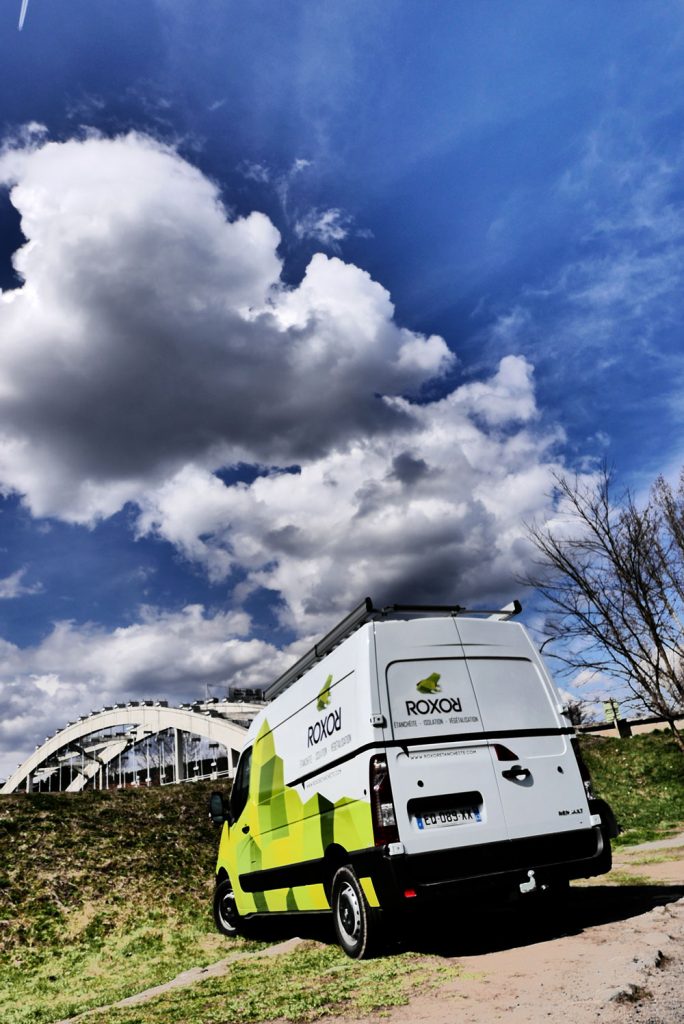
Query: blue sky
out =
(218, 431)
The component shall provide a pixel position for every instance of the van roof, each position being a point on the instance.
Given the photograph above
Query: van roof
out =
(367, 612)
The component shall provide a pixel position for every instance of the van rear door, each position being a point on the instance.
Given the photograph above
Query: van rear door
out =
(537, 773)
(443, 779)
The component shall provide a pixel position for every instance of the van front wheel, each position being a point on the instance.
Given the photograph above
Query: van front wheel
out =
(357, 926)
(226, 913)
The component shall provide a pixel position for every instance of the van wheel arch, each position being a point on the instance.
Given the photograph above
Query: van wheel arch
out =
(334, 858)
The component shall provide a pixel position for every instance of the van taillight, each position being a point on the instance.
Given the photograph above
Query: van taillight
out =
(584, 771)
(382, 804)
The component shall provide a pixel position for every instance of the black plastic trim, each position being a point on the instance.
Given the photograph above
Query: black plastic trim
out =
(575, 854)
(608, 819)
(492, 867)
(306, 872)
(284, 914)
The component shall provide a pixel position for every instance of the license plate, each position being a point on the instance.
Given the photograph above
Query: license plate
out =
(455, 816)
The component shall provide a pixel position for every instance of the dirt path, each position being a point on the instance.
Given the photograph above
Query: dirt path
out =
(613, 973)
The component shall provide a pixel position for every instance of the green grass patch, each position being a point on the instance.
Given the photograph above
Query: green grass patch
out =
(642, 778)
(301, 986)
(659, 856)
(619, 877)
(61, 982)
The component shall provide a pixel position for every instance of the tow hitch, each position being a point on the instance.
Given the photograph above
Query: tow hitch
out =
(530, 885)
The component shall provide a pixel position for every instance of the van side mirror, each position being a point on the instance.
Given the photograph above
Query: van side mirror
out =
(219, 811)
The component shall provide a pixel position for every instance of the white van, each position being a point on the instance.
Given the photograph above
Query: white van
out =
(414, 754)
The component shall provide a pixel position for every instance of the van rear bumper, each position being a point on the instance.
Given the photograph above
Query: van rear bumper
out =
(492, 866)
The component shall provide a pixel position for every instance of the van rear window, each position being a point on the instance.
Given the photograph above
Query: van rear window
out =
(511, 694)
(431, 698)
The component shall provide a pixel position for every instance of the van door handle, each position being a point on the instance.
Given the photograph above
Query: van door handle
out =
(245, 829)
(516, 773)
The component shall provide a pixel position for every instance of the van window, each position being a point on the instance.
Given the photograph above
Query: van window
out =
(240, 790)
(511, 694)
(432, 696)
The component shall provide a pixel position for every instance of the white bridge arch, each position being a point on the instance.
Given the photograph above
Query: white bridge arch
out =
(89, 750)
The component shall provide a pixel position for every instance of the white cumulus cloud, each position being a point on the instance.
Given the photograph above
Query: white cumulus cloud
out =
(13, 586)
(433, 512)
(77, 669)
(152, 330)
(325, 226)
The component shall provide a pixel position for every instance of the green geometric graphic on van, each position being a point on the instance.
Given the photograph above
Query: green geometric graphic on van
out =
(324, 695)
(283, 828)
(430, 685)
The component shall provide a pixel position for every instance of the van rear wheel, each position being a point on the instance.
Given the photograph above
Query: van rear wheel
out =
(226, 916)
(358, 927)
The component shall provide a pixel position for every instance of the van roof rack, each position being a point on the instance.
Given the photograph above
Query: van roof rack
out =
(367, 612)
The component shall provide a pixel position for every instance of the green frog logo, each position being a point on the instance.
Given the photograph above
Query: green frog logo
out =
(430, 685)
(324, 696)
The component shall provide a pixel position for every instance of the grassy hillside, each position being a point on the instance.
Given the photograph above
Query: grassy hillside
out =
(101, 895)
(105, 894)
(643, 780)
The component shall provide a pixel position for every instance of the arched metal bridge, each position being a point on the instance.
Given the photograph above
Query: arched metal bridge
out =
(142, 742)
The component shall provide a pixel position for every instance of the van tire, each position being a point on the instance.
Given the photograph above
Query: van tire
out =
(226, 916)
(358, 927)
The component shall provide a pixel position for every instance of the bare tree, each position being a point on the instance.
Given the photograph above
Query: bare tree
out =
(613, 576)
